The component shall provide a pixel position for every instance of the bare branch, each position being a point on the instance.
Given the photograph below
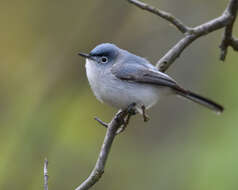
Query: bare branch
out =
(166, 61)
(98, 170)
(226, 20)
(167, 16)
(227, 39)
(46, 174)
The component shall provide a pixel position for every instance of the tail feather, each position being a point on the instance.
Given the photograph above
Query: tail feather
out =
(200, 100)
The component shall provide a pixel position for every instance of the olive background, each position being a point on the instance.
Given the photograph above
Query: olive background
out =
(47, 107)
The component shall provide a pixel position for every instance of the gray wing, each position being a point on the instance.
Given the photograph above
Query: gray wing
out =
(142, 73)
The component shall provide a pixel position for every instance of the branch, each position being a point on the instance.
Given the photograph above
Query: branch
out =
(227, 39)
(98, 170)
(226, 20)
(167, 16)
(46, 174)
(166, 61)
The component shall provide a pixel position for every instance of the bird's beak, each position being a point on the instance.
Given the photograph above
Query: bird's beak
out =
(85, 55)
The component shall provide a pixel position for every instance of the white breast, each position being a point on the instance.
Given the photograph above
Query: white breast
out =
(94, 78)
(107, 88)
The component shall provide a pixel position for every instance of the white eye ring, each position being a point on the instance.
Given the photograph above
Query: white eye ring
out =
(104, 59)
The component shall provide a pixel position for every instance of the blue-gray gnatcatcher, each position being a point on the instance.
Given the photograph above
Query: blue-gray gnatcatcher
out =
(120, 78)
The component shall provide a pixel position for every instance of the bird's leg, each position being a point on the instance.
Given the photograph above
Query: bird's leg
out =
(130, 110)
(145, 116)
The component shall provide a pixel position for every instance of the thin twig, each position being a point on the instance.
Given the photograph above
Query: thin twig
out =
(163, 14)
(46, 174)
(101, 122)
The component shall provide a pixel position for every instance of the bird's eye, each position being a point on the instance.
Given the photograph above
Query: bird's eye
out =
(104, 59)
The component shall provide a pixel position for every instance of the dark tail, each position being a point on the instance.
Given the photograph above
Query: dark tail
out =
(200, 100)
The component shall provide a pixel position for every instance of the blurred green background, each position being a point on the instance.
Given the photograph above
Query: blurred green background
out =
(47, 107)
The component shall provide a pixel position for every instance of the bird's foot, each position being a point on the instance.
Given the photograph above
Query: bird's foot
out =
(145, 116)
(129, 111)
(123, 117)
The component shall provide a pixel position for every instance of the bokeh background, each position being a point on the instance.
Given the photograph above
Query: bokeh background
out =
(47, 107)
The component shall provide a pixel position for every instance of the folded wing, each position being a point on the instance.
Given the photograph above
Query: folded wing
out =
(140, 73)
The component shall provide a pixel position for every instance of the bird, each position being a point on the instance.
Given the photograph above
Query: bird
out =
(120, 78)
